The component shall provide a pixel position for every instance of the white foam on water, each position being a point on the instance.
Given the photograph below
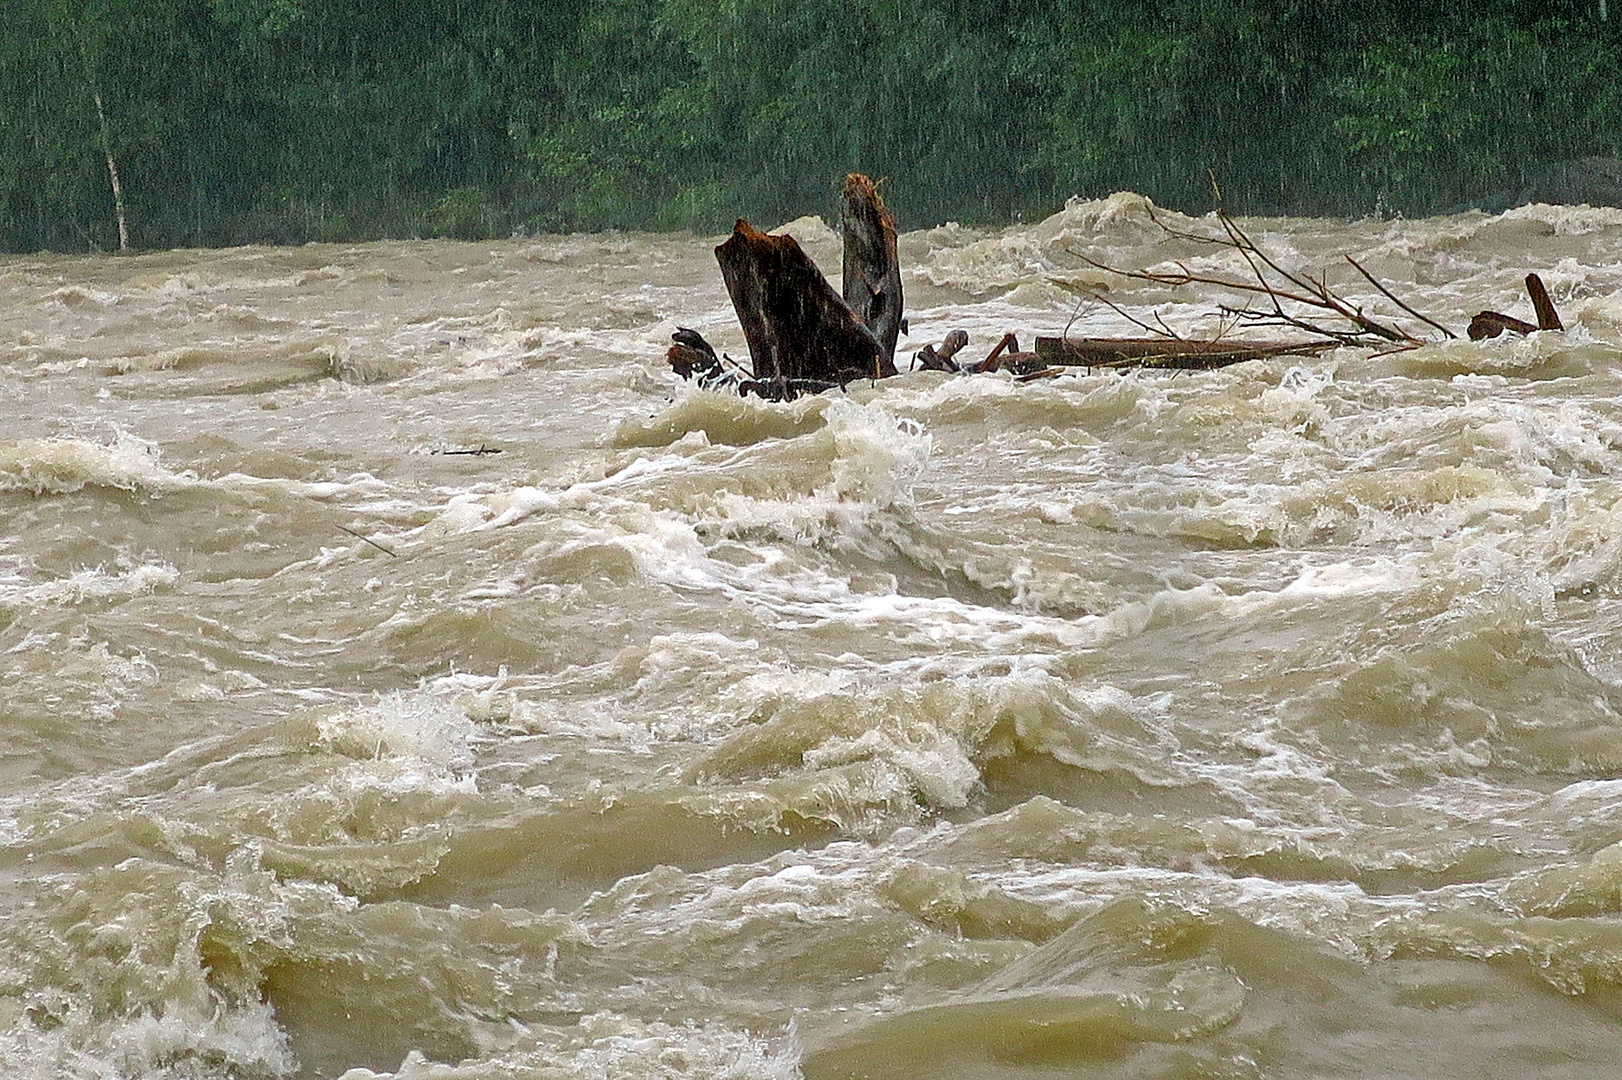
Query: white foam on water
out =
(153, 1015)
(418, 727)
(808, 229)
(610, 1046)
(98, 583)
(64, 465)
(1578, 220)
(357, 486)
(79, 296)
(510, 508)
(180, 1044)
(879, 458)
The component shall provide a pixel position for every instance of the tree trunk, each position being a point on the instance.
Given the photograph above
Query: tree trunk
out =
(801, 335)
(871, 267)
(112, 173)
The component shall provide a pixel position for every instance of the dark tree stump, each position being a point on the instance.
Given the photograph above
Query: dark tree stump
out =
(1548, 317)
(801, 335)
(872, 269)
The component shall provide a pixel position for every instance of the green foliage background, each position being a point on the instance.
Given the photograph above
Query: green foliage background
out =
(291, 120)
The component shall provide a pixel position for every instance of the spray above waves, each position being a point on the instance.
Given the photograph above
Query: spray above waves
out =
(65, 465)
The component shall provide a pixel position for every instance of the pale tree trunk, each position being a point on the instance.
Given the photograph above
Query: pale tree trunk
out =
(872, 285)
(112, 174)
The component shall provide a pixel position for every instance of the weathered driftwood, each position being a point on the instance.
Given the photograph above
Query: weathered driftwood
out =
(1165, 352)
(1006, 356)
(1293, 298)
(872, 269)
(1487, 324)
(931, 358)
(801, 334)
(1007, 344)
(804, 338)
(1548, 317)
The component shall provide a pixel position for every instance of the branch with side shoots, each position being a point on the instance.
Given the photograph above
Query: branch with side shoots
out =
(1294, 299)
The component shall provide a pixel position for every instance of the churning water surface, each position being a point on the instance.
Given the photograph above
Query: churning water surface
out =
(1255, 723)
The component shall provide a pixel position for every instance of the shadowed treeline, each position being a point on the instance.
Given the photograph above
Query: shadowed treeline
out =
(290, 120)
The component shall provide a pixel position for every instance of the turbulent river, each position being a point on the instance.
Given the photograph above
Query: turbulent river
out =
(1254, 723)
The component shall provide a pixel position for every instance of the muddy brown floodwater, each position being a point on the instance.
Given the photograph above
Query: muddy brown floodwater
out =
(1258, 723)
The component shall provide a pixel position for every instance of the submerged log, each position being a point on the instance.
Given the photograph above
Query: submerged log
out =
(872, 269)
(1488, 324)
(800, 331)
(1167, 352)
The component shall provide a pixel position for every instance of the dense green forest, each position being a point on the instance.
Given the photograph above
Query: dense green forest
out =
(288, 120)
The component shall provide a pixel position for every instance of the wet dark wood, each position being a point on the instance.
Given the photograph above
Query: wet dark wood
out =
(1489, 324)
(1008, 344)
(799, 330)
(1167, 352)
(689, 362)
(931, 358)
(872, 269)
(1548, 318)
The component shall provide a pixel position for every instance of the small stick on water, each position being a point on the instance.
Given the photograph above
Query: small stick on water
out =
(369, 540)
(480, 452)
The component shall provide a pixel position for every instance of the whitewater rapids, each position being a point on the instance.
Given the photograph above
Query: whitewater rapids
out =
(1257, 723)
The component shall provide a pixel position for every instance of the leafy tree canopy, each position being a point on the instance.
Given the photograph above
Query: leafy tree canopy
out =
(291, 120)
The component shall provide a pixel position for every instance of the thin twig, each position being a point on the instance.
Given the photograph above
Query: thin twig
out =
(1129, 317)
(1075, 313)
(482, 451)
(368, 540)
(1389, 296)
(1187, 277)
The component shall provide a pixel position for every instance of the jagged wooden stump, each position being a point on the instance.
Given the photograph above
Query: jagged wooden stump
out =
(872, 269)
(801, 335)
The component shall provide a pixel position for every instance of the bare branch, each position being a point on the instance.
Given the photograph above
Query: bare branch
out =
(1133, 319)
(1281, 286)
(1387, 293)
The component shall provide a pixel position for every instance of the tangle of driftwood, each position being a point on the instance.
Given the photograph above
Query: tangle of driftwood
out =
(804, 338)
